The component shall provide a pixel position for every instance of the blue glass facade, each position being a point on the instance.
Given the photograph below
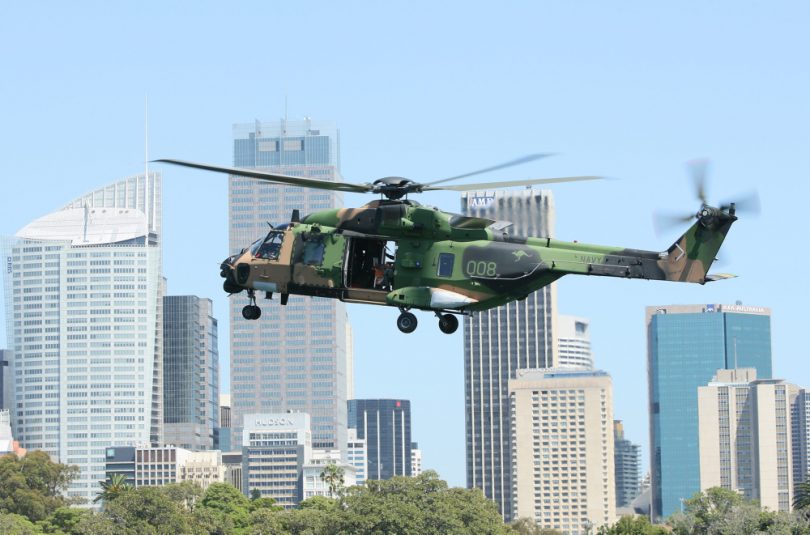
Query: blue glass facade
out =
(687, 345)
(385, 424)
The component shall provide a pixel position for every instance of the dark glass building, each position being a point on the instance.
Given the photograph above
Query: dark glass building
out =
(3, 364)
(190, 372)
(627, 466)
(120, 460)
(687, 344)
(385, 424)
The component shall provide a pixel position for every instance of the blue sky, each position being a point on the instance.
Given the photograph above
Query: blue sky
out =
(630, 90)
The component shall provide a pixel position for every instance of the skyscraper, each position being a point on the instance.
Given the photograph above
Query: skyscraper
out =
(574, 343)
(562, 448)
(385, 425)
(295, 356)
(84, 292)
(190, 372)
(627, 466)
(744, 436)
(500, 341)
(687, 344)
(800, 436)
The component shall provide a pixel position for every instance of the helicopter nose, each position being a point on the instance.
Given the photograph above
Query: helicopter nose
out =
(225, 268)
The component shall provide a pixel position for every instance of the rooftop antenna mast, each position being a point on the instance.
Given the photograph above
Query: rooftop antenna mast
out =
(146, 168)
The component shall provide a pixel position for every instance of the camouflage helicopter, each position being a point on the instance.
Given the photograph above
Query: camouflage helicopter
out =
(395, 252)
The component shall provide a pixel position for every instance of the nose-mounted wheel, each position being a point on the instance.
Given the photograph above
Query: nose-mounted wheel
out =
(251, 311)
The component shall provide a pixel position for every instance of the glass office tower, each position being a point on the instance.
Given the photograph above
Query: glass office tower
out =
(83, 300)
(627, 466)
(500, 341)
(295, 357)
(385, 425)
(190, 372)
(687, 344)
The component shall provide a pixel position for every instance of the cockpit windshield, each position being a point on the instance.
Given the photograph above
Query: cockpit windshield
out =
(268, 248)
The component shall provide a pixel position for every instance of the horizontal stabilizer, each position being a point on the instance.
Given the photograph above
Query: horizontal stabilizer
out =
(711, 277)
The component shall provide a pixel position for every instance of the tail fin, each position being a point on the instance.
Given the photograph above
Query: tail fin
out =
(691, 256)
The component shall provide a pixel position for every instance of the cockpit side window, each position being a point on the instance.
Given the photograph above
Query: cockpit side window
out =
(271, 247)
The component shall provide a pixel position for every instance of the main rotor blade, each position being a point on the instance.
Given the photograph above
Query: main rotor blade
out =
(274, 177)
(524, 159)
(511, 183)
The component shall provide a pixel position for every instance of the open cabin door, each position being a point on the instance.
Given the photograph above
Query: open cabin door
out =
(369, 269)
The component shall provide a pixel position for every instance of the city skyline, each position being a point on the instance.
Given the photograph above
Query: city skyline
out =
(632, 100)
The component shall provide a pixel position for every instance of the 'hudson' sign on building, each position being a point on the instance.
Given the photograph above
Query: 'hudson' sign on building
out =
(295, 420)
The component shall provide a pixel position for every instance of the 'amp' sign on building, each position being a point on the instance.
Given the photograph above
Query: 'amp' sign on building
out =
(480, 202)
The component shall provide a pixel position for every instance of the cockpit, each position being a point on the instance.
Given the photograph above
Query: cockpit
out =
(269, 247)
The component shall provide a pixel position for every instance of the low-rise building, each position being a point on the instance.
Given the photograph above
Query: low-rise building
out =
(313, 484)
(275, 448)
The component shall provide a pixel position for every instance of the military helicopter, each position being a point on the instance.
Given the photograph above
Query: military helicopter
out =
(396, 252)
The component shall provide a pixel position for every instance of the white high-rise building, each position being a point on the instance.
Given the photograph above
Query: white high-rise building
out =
(500, 341)
(275, 448)
(562, 449)
(83, 306)
(574, 343)
(745, 436)
(357, 455)
(295, 357)
(416, 459)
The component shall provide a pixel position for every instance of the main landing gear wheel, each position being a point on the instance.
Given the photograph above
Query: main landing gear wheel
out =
(406, 322)
(448, 323)
(251, 312)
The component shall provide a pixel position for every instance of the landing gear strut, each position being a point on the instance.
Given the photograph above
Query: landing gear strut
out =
(448, 323)
(251, 311)
(406, 322)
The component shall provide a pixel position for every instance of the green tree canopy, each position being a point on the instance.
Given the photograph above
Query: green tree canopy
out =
(31, 486)
(148, 510)
(227, 499)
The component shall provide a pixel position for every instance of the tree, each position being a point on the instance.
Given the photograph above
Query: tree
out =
(227, 499)
(185, 493)
(527, 526)
(112, 488)
(148, 510)
(333, 476)
(14, 524)
(266, 522)
(421, 504)
(628, 525)
(801, 494)
(32, 486)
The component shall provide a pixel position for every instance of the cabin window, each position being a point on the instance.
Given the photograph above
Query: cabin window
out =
(446, 264)
(314, 250)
